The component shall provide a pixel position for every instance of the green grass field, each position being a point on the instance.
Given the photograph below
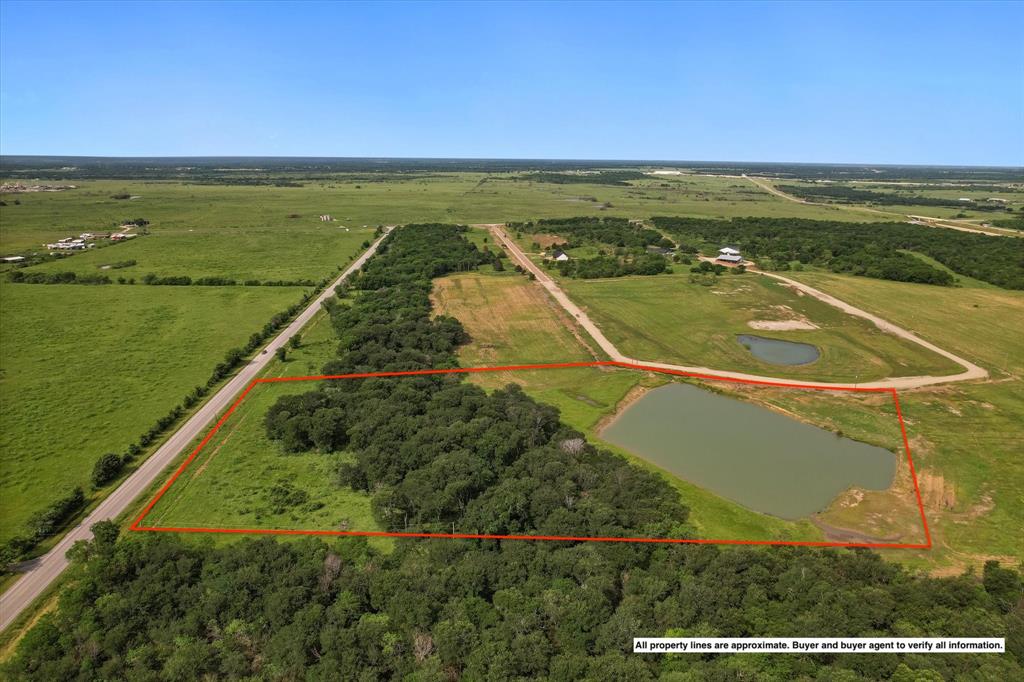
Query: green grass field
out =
(264, 253)
(232, 482)
(90, 368)
(229, 485)
(669, 319)
(967, 438)
(512, 321)
(87, 369)
(175, 208)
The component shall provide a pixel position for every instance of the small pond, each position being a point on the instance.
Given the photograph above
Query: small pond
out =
(751, 455)
(779, 352)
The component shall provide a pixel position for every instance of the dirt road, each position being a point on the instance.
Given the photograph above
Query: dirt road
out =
(47, 568)
(971, 371)
(915, 219)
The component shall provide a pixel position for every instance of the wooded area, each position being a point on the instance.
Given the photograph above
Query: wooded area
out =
(868, 249)
(436, 451)
(847, 195)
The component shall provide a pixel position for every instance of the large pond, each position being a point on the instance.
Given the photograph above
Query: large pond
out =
(779, 352)
(761, 459)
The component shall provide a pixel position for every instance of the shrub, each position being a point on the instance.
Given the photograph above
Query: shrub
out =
(106, 469)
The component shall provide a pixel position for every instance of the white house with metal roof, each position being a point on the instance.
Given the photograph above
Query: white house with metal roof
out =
(729, 255)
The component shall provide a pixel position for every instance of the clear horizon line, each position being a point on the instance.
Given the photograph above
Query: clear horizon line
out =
(637, 161)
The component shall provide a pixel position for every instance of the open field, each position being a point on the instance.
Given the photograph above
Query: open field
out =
(967, 439)
(241, 479)
(496, 308)
(962, 437)
(510, 321)
(263, 253)
(355, 201)
(667, 318)
(87, 369)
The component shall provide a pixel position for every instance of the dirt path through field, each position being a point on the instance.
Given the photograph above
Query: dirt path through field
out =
(971, 371)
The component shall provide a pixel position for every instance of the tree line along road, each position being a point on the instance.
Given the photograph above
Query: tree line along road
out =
(47, 568)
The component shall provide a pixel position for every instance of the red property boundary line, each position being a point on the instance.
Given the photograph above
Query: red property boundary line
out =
(137, 524)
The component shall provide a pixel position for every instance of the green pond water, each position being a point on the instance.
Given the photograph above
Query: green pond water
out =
(779, 352)
(763, 460)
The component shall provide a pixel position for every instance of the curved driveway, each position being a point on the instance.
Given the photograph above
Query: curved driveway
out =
(971, 370)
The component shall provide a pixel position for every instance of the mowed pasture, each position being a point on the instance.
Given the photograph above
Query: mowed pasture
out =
(668, 318)
(360, 200)
(87, 369)
(511, 321)
(967, 438)
(242, 479)
(261, 253)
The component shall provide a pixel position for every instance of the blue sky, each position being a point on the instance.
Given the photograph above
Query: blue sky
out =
(938, 83)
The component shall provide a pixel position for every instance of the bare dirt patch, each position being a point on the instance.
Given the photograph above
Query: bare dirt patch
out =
(631, 397)
(547, 240)
(781, 325)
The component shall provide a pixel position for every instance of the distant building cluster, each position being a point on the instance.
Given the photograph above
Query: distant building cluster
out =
(87, 240)
(18, 187)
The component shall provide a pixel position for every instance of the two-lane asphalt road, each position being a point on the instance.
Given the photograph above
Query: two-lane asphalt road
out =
(46, 569)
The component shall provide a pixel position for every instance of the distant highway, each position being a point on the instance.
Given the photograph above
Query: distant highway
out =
(48, 567)
(971, 371)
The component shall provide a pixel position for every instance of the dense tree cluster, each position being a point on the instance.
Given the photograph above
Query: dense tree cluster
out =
(1014, 223)
(22, 277)
(868, 249)
(432, 250)
(852, 195)
(437, 453)
(627, 244)
(163, 608)
(614, 266)
(616, 232)
(619, 178)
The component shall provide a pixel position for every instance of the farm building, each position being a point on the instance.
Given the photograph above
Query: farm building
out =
(560, 255)
(729, 255)
(326, 218)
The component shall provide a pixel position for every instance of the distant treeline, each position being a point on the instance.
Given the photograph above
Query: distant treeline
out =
(232, 179)
(868, 249)
(589, 230)
(613, 266)
(438, 453)
(142, 168)
(843, 194)
(619, 178)
(813, 171)
(22, 277)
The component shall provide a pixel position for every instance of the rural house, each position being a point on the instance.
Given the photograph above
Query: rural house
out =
(729, 255)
